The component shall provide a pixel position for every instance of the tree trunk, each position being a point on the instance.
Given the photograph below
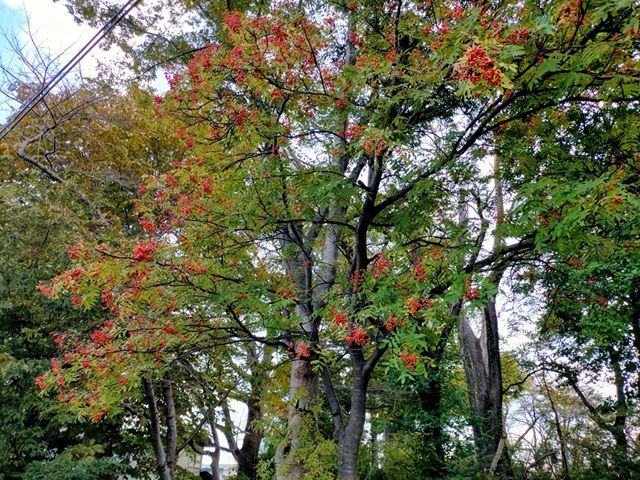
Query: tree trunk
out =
(247, 457)
(215, 455)
(172, 428)
(481, 358)
(374, 445)
(303, 381)
(635, 319)
(303, 387)
(561, 439)
(620, 421)
(430, 393)
(154, 430)
(352, 434)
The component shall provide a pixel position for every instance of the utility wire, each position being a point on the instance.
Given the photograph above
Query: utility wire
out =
(66, 69)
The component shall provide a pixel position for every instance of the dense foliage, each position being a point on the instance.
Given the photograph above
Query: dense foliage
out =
(334, 205)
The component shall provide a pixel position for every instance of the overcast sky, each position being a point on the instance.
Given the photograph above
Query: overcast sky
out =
(51, 23)
(53, 30)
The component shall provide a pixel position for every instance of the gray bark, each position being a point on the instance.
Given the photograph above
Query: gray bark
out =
(303, 387)
(352, 433)
(481, 358)
(172, 428)
(620, 421)
(154, 430)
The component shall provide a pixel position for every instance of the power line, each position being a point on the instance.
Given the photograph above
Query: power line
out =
(66, 69)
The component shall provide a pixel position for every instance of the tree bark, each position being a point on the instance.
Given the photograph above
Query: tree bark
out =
(172, 428)
(620, 421)
(352, 433)
(303, 381)
(303, 388)
(215, 455)
(481, 358)
(430, 393)
(247, 457)
(483, 371)
(154, 430)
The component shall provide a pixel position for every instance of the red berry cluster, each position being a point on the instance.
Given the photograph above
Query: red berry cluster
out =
(170, 329)
(415, 305)
(477, 66)
(299, 350)
(99, 338)
(47, 291)
(394, 323)
(73, 252)
(302, 350)
(338, 318)
(372, 145)
(147, 225)
(233, 21)
(358, 336)
(357, 279)
(354, 132)
(519, 36)
(471, 293)
(409, 359)
(287, 294)
(356, 39)
(380, 266)
(571, 11)
(418, 270)
(143, 252)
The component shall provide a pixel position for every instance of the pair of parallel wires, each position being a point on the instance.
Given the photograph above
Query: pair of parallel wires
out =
(66, 69)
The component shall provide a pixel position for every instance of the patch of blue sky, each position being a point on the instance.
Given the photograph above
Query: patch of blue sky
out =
(13, 19)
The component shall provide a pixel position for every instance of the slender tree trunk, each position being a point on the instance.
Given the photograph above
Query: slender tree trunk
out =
(352, 434)
(493, 398)
(481, 358)
(154, 430)
(303, 387)
(620, 421)
(374, 444)
(635, 320)
(215, 454)
(303, 381)
(561, 439)
(172, 428)
(247, 457)
(430, 394)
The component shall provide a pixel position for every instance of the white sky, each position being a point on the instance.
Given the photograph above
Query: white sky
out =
(54, 32)
(53, 29)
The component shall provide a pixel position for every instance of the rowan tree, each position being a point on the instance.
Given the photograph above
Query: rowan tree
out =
(62, 181)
